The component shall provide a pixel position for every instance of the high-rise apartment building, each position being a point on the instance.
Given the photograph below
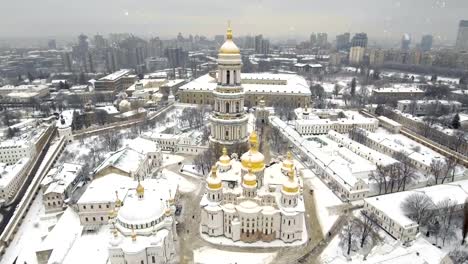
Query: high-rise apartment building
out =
(342, 41)
(426, 42)
(462, 37)
(405, 42)
(322, 39)
(359, 40)
(313, 39)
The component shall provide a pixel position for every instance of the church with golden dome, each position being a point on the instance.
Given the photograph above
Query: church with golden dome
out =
(229, 119)
(246, 201)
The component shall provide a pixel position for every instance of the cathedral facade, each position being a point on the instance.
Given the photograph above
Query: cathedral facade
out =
(245, 201)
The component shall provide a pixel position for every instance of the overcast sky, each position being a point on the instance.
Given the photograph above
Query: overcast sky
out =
(381, 19)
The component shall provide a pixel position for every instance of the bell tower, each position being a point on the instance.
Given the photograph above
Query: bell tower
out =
(229, 119)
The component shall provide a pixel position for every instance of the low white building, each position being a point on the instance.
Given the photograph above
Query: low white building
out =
(389, 124)
(104, 194)
(184, 143)
(392, 144)
(343, 171)
(312, 123)
(58, 184)
(391, 217)
(136, 160)
(12, 150)
(11, 179)
(420, 107)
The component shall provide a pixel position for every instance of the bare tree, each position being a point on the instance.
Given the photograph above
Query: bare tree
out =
(349, 235)
(465, 221)
(437, 170)
(101, 117)
(418, 206)
(367, 227)
(445, 213)
(112, 141)
(459, 255)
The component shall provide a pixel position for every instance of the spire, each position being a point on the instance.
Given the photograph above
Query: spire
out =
(253, 140)
(118, 202)
(134, 236)
(229, 31)
(224, 159)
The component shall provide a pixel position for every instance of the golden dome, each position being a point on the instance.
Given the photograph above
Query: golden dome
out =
(224, 159)
(253, 157)
(291, 186)
(140, 189)
(229, 47)
(249, 178)
(288, 163)
(213, 181)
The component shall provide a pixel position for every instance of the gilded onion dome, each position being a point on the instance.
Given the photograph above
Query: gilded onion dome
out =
(253, 156)
(213, 181)
(229, 47)
(225, 159)
(291, 185)
(249, 179)
(288, 163)
(140, 189)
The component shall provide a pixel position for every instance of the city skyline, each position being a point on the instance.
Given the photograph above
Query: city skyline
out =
(383, 21)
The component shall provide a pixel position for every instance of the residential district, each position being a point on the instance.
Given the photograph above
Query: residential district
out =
(121, 150)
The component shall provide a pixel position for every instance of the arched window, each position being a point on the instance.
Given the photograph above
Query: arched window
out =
(228, 77)
(227, 107)
(237, 107)
(234, 75)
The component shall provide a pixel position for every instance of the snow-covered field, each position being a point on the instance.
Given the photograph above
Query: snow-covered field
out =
(207, 255)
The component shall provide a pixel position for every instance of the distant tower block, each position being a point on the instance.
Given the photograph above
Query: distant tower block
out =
(229, 119)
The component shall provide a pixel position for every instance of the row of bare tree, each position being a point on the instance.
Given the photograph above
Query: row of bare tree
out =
(438, 218)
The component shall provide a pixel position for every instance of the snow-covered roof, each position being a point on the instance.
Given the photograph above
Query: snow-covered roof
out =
(125, 159)
(399, 88)
(58, 179)
(143, 146)
(339, 167)
(67, 118)
(389, 121)
(116, 75)
(102, 190)
(400, 143)
(8, 173)
(110, 109)
(256, 83)
(390, 204)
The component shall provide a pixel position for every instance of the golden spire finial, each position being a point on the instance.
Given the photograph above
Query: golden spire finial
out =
(118, 202)
(114, 231)
(213, 171)
(134, 236)
(289, 155)
(253, 139)
(229, 30)
(225, 151)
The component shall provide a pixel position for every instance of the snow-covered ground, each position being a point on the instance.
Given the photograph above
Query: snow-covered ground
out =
(326, 201)
(389, 251)
(28, 237)
(170, 159)
(207, 255)
(184, 185)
